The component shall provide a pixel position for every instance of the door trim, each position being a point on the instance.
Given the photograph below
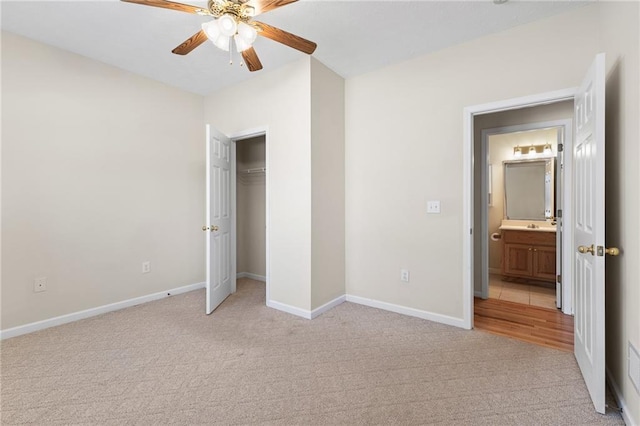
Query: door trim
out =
(467, 180)
(247, 134)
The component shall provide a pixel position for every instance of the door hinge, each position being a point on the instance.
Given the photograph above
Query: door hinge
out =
(559, 279)
(559, 213)
(560, 147)
(470, 231)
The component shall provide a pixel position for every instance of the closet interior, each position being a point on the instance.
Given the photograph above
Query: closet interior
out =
(251, 208)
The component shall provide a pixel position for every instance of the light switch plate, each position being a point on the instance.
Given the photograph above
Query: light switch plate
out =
(433, 207)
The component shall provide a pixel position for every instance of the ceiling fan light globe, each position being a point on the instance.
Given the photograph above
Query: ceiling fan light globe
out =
(228, 25)
(211, 29)
(222, 42)
(247, 33)
(241, 44)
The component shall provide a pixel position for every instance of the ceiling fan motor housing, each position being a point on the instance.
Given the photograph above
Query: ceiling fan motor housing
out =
(241, 11)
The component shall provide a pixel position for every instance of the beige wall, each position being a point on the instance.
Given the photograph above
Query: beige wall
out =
(281, 100)
(305, 169)
(327, 180)
(500, 148)
(620, 39)
(251, 208)
(404, 147)
(101, 170)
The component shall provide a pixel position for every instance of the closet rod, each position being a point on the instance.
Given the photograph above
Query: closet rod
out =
(256, 170)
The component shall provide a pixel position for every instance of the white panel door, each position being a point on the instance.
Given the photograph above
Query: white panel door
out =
(589, 212)
(220, 280)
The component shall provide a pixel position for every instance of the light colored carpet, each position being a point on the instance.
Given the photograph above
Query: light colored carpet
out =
(166, 362)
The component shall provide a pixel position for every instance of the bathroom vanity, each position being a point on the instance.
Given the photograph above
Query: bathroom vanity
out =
(529, 253)
(528, 229)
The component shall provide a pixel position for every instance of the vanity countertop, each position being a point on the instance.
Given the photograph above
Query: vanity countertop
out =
(530, 225)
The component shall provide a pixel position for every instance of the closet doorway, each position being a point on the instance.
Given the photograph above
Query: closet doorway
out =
(250, 212)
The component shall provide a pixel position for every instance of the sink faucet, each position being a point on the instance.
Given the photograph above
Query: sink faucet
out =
(532, 226)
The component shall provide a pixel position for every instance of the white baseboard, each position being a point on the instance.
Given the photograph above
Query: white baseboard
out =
(443, 319)
(328, 306)
(87, 313)
(304, 313)
(617, 394)
(251, 276)
(477, 294)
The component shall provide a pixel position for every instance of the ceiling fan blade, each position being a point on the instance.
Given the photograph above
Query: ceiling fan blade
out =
(263, 6)
(191, 43)
(251, 59)
(286, 38)
(172, 5)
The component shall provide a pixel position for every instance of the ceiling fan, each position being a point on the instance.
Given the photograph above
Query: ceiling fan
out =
(234, 24)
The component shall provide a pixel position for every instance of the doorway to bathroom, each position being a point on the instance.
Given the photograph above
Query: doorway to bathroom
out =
(520, 176)
(521, 216)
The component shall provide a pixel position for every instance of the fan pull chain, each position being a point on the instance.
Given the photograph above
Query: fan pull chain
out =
(230, 52)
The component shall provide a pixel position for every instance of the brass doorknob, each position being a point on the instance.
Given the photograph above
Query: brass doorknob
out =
(613, 251)
(205, 228)
(214, 228)
(585, 249)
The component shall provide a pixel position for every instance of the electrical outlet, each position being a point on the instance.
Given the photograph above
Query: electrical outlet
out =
(433, 207)
(40, 284)
(146, 267)
(404, 275)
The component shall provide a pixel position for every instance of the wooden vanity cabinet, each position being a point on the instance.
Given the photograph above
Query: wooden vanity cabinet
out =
(529, 254)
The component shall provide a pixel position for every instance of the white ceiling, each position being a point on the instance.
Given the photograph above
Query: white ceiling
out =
(353, 36)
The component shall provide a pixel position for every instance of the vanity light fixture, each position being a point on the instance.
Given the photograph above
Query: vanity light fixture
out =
(533, 151)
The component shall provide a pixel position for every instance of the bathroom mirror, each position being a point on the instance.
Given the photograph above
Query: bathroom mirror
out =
(528, 189)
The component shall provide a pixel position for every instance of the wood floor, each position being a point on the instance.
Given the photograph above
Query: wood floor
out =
(542, 326)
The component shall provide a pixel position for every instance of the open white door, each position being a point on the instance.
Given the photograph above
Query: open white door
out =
(220, 280)
(588, 153)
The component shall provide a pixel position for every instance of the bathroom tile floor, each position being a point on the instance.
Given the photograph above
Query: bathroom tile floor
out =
(527, 294)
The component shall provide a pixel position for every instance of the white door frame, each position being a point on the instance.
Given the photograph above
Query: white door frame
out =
(565, 136)
(467, 181)
(247, 134)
